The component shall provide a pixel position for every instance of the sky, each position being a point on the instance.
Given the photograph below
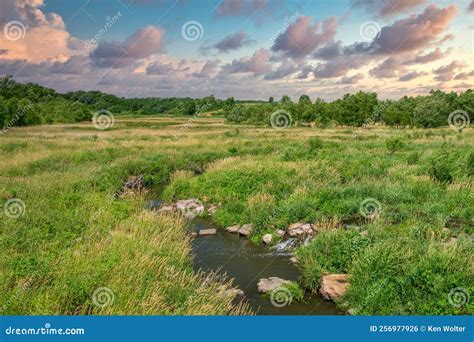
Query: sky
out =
(248, 49)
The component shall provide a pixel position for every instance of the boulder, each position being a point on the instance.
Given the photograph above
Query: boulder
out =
(246, 229)
(280, 232)
(307, 228)
(232, 292)
(334, 286)
(266, 285)
(296, 232)
(190, 208)
(267, 239)
(210, 231)
(295, 225)
(233, 229)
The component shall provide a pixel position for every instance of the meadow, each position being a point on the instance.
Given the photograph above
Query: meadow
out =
(395, 209)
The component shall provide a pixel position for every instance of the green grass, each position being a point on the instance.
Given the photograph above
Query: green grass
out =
(75, 237)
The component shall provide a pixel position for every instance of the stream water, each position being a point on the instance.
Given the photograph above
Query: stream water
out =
(247, 263)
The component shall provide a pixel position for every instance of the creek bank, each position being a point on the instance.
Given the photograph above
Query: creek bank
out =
(296, 234)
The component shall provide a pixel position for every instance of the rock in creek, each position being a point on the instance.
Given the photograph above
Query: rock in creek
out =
(267, 239)
(266, 285)
(190, 208)
(204, 232)
(334, 286)
(294, 260)
(233, 229)
(212, 209)
(232, 292)
(280, 232)
(246, 229)
(300, 229)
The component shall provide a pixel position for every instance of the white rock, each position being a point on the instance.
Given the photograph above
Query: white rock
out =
(233, 229)
(294, 260)
(210, 231)
(246, 229)
(280, 232)
(267, 239)
(334, 286)
(265, 285)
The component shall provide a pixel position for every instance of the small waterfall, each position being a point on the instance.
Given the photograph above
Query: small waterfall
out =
(285, 245)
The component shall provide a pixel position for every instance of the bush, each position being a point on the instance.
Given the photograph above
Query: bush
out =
(441, 169)
(394, 144)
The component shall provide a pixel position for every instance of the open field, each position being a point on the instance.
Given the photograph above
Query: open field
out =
(395, 207)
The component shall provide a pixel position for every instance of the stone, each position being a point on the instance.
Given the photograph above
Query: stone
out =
(294, 260)
(232, 292)
(193, 234)
(246, 229)
(267, 239)
(266, 285)
(334, 286)
(307, 228)
(190, 208)
(280, 232)
(233, 229)
(295, 225)
(210, 231)
(296, 232)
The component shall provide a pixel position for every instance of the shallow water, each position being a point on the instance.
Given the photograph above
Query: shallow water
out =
(247, 264)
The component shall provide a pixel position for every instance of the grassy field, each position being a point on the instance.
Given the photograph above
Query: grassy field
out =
(395, 207)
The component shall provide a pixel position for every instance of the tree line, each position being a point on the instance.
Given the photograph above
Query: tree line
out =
(32, 104)
(359, 109)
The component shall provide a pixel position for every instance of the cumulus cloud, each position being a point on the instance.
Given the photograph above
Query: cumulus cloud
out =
(411, 76)
(428, 57)
(257, 64)
(141, 44)
(303, 37)
(233, 41)
(386, 8)
(208, 68)
(158, 68)
(471, 6)
(45, 36)
(414, 32)
(285, 69)
(352, 79)
(462, 76)
(446, 72)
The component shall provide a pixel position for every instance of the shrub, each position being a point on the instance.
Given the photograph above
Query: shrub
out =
(441, 169)
(394, 144)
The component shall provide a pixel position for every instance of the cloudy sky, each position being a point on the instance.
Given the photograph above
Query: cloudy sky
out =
(249, 49)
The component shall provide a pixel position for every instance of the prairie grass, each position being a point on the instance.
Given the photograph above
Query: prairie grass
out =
(74, 237)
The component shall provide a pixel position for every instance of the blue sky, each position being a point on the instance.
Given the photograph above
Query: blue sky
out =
(271, 47)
